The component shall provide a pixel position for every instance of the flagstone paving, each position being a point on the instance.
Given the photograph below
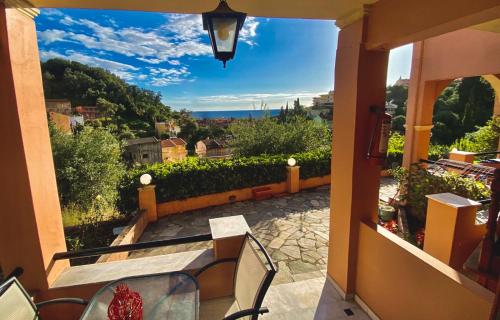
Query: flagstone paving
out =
(294, 229)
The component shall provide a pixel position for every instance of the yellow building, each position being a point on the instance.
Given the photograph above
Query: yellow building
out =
(173, 150)
(167, 127)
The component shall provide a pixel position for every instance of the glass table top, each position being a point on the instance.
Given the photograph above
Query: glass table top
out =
(171, 295)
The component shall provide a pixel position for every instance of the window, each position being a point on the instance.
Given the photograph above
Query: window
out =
(145, 156)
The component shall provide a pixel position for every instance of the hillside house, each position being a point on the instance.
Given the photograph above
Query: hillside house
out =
(62, 106)
(211, 148)
(143, 150)
(173, 150)
(88, 112)
(167, 127)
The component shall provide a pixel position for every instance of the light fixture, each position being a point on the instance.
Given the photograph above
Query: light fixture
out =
(223, 25)
(292, 162)
(145, 179)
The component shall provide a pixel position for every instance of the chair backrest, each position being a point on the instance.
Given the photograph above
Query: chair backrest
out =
(15, 303)
(254, 272)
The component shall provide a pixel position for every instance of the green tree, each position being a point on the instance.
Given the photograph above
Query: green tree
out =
(88, 167)
(269, 136)
(89, 86)
(398, 123)
(463, 106)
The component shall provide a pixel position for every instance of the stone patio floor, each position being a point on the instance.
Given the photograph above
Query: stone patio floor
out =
(294, 229)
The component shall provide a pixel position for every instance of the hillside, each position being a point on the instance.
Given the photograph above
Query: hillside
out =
(130, 111)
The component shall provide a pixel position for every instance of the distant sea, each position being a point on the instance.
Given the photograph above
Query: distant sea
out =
(237, 114)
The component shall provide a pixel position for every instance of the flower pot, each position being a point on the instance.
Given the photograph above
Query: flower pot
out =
(386, 213)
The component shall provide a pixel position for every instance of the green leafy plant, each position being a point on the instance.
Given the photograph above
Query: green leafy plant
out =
(485, 139)
(195, 177)
(419, 183)
(272, 137)
(88, 168)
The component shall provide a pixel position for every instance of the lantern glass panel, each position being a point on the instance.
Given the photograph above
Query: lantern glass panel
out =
(225, 33)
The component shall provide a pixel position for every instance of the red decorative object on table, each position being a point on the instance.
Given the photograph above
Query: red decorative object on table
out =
(126, 304)
(420, 237)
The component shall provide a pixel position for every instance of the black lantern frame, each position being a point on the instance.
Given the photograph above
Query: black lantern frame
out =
(223, 11)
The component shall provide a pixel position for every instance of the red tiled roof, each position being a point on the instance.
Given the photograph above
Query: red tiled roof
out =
(178, 141)
(167, 143)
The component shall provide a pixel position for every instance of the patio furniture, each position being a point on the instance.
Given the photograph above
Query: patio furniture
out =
(254, 271)
(16, 304)
(172, 295)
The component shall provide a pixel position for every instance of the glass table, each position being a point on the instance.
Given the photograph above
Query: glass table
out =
(171, 295)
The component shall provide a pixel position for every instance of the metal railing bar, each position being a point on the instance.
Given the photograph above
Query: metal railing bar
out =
(131, 247)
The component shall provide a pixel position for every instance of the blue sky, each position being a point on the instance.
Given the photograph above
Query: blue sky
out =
(276, 60)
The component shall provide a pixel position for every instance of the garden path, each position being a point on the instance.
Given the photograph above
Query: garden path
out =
(294, 229)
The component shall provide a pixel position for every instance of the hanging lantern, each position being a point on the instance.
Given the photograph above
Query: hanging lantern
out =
(223, 25)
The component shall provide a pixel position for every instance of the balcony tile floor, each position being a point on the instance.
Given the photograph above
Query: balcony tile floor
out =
(309, 299)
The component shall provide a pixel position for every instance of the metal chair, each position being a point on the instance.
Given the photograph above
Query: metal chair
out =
(254, 272)
(16, 304)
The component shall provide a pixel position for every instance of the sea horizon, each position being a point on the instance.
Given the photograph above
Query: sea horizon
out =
(235, 114)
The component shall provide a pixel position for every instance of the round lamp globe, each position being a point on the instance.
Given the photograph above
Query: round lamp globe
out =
(145, 179)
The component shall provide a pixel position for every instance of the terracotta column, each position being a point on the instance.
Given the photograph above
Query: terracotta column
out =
(31, 228)
(293, 179)
(421, 98)
(360, 82)
(147, 201)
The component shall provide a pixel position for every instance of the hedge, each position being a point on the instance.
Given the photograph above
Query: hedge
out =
(195, 177)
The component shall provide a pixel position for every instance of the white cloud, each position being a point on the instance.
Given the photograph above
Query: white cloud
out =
(124, 71)
(179, 36)
(249, 31)
(67, 21)
(46, 55)
(164, 77)
(51, 12)
(51, 35)
(184, 26)
(255, 97)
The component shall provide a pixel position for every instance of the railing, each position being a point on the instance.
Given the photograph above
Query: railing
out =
(131, 247)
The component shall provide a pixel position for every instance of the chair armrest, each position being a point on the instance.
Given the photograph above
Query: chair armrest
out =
(246, 312)
(214, 263)
(62, 300)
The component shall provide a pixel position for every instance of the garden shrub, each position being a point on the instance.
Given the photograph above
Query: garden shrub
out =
(485, 139)
(314, 163)
(196, 177)
(395, 151)
(420, 182)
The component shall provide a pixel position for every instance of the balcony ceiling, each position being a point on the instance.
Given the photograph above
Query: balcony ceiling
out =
(309, 9)
(492, 26)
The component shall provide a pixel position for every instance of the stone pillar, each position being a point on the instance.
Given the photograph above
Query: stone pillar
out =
(463, 156)
(31, 229)
(360, 82)
(228, 234)
(421, 98)
(147, 201)
(450, 230)
(293, 179)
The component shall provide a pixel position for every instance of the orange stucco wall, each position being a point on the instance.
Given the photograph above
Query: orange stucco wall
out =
(399, 281)
(360, 82)
(451, 234)
(31, 229)
(218, 199)
(435, 63)
(394, 23)
(129, 235)
(210, 200)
